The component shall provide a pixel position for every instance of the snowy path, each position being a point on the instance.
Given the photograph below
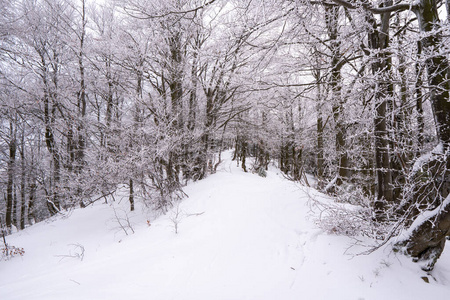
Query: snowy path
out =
(240, 236)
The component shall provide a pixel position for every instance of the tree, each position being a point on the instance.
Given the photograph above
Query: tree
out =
(426, 239)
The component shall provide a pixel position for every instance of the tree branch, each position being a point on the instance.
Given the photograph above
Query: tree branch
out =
(184, 12)
(377, 10)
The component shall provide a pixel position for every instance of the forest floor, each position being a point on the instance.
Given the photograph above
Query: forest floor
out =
(239, 236)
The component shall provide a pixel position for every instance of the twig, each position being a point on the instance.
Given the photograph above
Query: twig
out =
(195, 214)
(79, 255)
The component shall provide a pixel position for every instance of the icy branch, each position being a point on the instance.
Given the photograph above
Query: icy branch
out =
(377, 10)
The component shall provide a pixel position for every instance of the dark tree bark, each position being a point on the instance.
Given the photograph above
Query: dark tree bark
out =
(193, 92)
(437, 66)
(332, 21)
(419, 101)
(447, 5)
(175, 81)
(320, 158)
(379, 41)
(131, 196)
(320, 125)
(109, 95)
(15, 204)
(241, 151)
(22, 183)
(176, 78)
(198, 41)
(403, 142)
(81, 143)
(244, 154)
(11, 175)
(49, 96)
(71, 147)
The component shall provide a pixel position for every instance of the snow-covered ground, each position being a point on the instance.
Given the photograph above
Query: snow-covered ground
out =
(240, 236)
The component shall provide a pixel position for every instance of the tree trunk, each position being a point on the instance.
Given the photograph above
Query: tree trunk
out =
(176, 79)
(15, 203)
(53, 204)
(22, 184)
(447, 5)
(109, 96)
(378, 41)
(320, 126)
(131, 197)
(11, 176)
(437, 69)
(320, 159)
(331, 20)
(31, 204)
(193, 91)
(71, 147)
(244, 154)
(403, 141)
(419, 101)
(81, 145)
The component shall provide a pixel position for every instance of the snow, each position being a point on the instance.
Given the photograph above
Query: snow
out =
(427, 157)
(240, 236)
(423, 217)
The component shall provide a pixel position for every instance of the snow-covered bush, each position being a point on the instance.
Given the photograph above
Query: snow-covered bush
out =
(350, 221)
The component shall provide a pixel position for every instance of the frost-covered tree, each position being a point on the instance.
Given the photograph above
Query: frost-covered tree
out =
(426, 238)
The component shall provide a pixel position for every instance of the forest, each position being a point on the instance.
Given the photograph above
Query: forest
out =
(144, 95)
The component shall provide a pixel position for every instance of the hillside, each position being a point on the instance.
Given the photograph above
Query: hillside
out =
(240, 236)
